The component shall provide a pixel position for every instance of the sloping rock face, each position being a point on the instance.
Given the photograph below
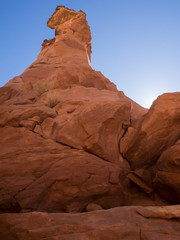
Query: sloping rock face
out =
(152, 147)
(61, 124)
(64, 62)
(71, 142)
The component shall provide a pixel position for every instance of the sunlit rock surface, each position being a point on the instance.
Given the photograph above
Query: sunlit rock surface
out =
(71, 142)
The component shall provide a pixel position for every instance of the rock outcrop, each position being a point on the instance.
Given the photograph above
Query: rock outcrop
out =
(113, 224)
(61, 124)
(71, 142)
(64, 62)
(152, 147)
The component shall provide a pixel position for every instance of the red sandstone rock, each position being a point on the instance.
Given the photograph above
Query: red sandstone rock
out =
(71, 142)
(165, 212)
(40, 174)
(66, 121)
(65, 61)
(114, 224)
(143, 144)
(93, 207)
(167, 179)
(158, 130)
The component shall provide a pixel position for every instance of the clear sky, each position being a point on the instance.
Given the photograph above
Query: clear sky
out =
(135, 43)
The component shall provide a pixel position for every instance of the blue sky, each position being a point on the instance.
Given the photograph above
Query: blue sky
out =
(135, 43)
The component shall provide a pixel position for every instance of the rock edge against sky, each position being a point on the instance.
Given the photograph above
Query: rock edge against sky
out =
(72, 143)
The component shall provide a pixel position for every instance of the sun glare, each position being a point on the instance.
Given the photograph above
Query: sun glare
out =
(148, 101)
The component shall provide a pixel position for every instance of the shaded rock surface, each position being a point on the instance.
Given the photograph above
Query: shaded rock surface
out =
(113, 224)
(158, 130)
(167, 179)
(71, 142)
(152, 147)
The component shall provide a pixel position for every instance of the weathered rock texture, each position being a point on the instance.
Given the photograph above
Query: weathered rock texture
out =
(118, 223)
(152, 147)
(71, 142)
(61, 124)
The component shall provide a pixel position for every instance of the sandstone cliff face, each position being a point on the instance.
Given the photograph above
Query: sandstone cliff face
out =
(71, 142)
(61, 124)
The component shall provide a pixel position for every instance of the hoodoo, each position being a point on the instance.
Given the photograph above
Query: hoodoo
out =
(72, 143)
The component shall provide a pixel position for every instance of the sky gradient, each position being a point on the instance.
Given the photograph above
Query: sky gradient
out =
(135, 43)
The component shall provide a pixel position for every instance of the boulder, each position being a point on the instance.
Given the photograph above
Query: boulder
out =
(164, 212)
(152, 147)
(158, 130)
(167, 179)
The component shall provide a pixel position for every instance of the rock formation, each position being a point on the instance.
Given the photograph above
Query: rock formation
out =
(129, 223)
(71, 142)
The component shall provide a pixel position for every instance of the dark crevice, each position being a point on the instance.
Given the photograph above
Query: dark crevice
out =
(84, 148)
(53, 128)
(122, 155)
(34, 127)
(38, 134)
(66, 145)
(88, 151)
(125, 131)
(14, 207)
(71, 147)
(21, 190)
(119, 143)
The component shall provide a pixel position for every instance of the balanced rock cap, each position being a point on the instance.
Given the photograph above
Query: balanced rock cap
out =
(68, 23)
